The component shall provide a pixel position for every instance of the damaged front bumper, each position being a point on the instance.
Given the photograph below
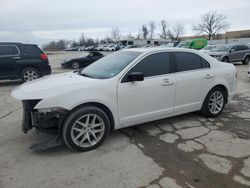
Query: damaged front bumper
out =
(44, 119)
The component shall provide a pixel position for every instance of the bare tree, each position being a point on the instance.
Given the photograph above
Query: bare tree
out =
(164, 33)
(177, 31)
(145, 31)
(116, 35)
(211, 23)
(151, 29)
(82, 40)
(170, 34)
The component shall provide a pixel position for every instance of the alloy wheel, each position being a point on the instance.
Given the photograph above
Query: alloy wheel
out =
(30, 75)
(87, 130)
(75, 65)
(216, 102)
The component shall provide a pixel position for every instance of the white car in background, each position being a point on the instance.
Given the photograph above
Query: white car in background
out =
(126, 88)
(208, 48)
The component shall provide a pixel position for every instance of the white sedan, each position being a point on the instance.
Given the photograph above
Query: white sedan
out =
(126, 88)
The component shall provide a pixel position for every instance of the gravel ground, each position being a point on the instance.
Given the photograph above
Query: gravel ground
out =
(185, 151)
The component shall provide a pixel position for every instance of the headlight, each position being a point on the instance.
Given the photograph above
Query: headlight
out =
(53, 109)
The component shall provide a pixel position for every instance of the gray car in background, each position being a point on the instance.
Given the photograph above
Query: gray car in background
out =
(231, 53)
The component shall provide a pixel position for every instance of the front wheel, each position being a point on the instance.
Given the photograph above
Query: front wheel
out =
(246, 60)
(225, 59)
(85, 128)
(214, 102)
(75, 65)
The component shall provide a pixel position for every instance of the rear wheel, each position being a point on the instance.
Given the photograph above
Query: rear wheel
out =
(246, 60)
(85, 128)
(225, 59)
(29, 74)
(75, 65)
(214, 102)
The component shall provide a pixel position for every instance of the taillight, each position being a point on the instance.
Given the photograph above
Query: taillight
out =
(44, 57)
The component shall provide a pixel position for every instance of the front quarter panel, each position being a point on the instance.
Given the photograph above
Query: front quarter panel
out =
(102, 91)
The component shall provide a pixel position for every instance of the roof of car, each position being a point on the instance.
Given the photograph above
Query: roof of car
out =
(155, 49)
(14, 43)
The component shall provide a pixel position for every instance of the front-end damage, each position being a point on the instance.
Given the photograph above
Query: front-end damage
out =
(43, 120)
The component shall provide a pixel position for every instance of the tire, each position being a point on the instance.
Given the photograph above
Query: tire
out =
(29, 74)
(80, 137)
(225, 59)
(246, 60)
(75, 65)
(213, 109)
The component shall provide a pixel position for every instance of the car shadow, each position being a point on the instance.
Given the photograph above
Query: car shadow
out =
(10, 82)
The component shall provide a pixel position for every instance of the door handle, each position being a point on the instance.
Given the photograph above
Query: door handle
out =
(16, 57)
(167, 82)
(208, 76)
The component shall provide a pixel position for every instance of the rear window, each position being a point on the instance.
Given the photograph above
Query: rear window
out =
(243, 47)
(31, 50)
(8, 50)
(188, 61)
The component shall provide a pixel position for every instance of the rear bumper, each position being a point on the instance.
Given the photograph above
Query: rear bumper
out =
(45, 70)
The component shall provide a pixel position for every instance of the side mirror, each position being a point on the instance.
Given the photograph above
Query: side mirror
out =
(135, 76)
(232, 50)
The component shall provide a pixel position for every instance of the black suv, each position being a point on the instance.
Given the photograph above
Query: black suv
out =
(22, 61)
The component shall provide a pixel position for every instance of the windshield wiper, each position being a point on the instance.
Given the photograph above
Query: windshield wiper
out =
(86, 75)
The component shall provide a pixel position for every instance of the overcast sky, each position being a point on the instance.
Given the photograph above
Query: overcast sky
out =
(40, 21)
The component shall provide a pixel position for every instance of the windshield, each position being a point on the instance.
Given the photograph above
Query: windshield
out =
(109, 66)
(222, 48)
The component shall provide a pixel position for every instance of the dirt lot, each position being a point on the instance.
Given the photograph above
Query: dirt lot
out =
(185, 151)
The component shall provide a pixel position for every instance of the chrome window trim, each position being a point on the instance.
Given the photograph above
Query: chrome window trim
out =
(13, 54)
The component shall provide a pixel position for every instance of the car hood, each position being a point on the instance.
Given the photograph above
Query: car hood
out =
(51, 86)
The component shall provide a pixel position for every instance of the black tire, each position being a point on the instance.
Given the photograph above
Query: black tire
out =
(246, 60)
(225, 59)
(75, 65)
(71, 120)
(26, 74)
(205, 107)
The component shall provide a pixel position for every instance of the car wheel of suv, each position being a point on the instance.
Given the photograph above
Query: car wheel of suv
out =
(85, 128)
(225, 59)
(246, 60)
(29, 74)
(75, 65)
(214, 102)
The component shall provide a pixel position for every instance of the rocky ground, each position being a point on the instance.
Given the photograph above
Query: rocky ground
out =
(185, 151)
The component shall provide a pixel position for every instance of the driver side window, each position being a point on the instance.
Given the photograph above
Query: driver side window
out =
(153, 65)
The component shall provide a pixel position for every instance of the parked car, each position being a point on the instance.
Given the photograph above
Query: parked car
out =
(208, 48)
(231, 53)
(82, 61)
(22, 61)
(113, 48)
(132, 46)
(197, 43)
(89, 48)
(71, 49)
(119, 90)
(81, 48)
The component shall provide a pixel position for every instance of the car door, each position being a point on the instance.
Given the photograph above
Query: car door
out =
(242, 50)
(194, 78)
(8, 56)
(150, 99)
(234, 54)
